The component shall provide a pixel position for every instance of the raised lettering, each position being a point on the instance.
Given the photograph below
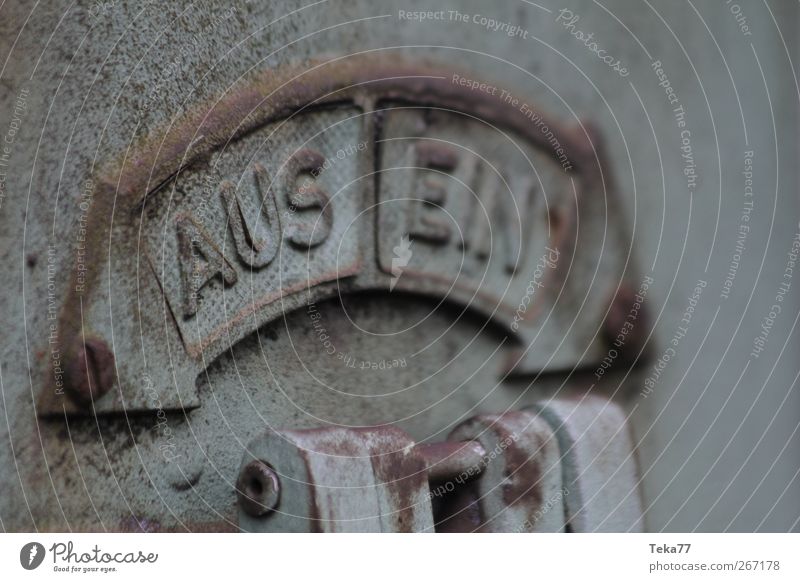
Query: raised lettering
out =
(308, 165)
(201, 261)
(427, 221)
(256, 240)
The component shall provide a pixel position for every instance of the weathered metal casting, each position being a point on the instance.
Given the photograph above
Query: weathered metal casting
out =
(565, 466)
(598, 464)
(340, 480)
(268, 244)
(520, 489)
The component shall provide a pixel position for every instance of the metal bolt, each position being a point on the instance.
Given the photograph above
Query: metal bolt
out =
(258, 489)
(450, 459)
(90, 372)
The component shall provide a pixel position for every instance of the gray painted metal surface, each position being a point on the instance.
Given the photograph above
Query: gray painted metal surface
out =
(159, 199)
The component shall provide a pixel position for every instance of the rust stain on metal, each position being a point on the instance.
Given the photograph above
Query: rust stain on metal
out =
(435, 155)
(523, 475)
(617, 318)
(90, 371)
(404, 477)
(270, 96)
(314, 514)
(447, 460)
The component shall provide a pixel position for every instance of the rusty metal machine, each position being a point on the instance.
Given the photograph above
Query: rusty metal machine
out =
(278, 268)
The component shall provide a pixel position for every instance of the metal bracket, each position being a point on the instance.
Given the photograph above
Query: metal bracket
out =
(561, 466)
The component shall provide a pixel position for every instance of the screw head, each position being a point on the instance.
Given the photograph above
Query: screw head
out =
(90, 371)
(258, 489)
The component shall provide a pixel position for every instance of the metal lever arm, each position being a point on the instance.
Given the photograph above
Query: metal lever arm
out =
(563, 465)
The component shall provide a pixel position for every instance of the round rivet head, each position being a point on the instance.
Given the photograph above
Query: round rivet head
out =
(90, 371)
(258, 489)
